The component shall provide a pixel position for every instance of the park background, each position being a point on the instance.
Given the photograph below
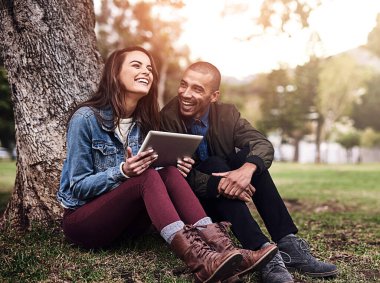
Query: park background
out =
(306, 73)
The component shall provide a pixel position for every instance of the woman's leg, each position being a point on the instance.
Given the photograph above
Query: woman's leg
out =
(97, 223)
(102, 220)
(182, 196)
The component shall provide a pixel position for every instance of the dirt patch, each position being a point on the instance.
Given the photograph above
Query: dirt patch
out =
(371, 274)
(329, 206)
(295, 205)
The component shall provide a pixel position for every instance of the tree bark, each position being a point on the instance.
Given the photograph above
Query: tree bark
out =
(49, 51)
(318, 140)
(296, 155)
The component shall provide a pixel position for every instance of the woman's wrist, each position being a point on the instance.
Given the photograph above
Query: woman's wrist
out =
(122, 171)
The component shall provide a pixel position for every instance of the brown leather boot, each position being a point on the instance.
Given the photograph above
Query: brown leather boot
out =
(206, 264)
(216, 236)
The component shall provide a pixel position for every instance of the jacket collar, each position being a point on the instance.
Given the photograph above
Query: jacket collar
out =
(204, 121)
(106, 115)
(107, 118)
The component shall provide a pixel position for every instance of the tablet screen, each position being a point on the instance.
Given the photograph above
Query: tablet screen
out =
(170, 146)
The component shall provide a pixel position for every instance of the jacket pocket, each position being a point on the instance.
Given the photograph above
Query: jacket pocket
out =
(104, 155)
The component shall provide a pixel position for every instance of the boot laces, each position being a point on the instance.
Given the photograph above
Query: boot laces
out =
(300, 251)
(222, 227)
(191, 232)
(285, 257)
(277, 261)
(304, 246)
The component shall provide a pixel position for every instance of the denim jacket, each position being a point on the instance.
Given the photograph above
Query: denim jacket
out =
(94, 154)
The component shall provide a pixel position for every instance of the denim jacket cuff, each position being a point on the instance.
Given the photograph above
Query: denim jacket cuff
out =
(121, 170)
(116, 174)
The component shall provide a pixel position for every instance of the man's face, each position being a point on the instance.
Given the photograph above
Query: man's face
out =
(195, 94)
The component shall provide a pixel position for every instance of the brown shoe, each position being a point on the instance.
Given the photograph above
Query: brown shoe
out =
(216, 236)
(206, 264)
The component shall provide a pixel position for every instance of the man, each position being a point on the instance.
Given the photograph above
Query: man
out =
(231, 167)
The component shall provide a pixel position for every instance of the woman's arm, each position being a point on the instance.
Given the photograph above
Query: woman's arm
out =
(85, 182)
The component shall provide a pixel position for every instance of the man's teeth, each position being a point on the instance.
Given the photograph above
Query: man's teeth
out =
(187, 103)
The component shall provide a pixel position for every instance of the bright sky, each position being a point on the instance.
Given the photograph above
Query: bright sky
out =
(341, 24)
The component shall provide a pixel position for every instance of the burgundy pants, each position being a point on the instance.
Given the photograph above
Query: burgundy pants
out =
(155, 197)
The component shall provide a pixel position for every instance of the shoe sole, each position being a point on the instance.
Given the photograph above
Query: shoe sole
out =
(267, 257)
(315, 275)
(225, 270)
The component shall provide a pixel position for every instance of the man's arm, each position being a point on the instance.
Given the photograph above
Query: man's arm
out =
(236, 182)
(261, 151)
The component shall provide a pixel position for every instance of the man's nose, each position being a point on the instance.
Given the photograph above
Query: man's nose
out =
(186, 92)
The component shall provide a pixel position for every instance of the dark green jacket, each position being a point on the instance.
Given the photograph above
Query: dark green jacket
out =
(227, 132)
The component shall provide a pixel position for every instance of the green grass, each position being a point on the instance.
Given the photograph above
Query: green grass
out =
(355, 186)
(336, 208)
(7, 180)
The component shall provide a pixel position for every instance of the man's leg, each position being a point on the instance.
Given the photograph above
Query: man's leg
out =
(245, 228)
(279, 223)
(267, 200)
(271, 207)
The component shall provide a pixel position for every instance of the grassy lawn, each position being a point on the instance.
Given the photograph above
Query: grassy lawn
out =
(7, 179)
(336, 208)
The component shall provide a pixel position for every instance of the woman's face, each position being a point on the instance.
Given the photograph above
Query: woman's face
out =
(136, 74)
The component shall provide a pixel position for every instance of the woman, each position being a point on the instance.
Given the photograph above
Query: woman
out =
(108, 188)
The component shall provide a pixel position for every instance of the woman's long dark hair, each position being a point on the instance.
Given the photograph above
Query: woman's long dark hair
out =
(110, 93)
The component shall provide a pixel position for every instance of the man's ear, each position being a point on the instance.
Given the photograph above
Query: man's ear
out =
(215, 96)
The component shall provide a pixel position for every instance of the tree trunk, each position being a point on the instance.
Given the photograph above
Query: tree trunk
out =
(318, 140)
(296, 155)
(49, 50)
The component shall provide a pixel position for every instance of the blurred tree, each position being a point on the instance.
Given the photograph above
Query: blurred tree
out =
(245, 98)
(367, 105)
(373, 42)
(286, 104)
(305, 114)
(288, 17)
(369, 102)
(276, 16)
(272, 94)
(349, 140)
(285, 15)
(370, 138)
(7, 126)
(341, 81)
(123, 23)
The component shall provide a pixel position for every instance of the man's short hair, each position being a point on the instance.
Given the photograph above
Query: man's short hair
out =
(208, 68)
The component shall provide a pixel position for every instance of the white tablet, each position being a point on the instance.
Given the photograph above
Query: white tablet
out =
(170, 146)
